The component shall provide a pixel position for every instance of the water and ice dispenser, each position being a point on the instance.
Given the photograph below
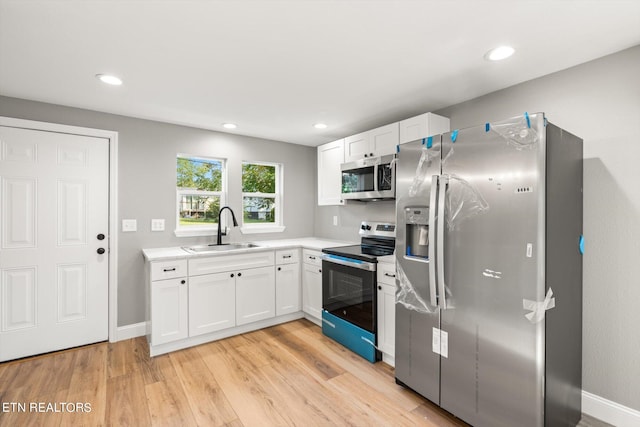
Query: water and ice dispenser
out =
(417, 231)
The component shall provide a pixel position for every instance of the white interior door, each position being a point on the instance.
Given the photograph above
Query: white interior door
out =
(54, 195)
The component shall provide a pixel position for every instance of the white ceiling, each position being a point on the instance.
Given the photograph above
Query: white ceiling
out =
(277, 67)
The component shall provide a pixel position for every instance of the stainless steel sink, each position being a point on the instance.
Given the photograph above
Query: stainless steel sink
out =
(218, 248)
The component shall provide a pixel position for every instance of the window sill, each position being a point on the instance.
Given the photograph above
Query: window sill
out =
(196, 232)
(262, 229)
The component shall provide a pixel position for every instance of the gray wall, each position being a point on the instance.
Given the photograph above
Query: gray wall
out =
(600, 102)
(147, 183)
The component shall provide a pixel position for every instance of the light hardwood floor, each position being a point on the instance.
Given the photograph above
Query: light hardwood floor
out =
(285, 375)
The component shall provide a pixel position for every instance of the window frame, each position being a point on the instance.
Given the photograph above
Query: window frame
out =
(212, 228)
(277, 225)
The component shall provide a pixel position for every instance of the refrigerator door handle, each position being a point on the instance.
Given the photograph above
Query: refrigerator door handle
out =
(444, 182)
(432, 240)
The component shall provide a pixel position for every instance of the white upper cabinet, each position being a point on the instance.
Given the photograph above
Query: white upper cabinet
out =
(330, 157)
(372, 143)
(422, 126)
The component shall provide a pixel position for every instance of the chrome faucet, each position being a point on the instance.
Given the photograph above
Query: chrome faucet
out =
(235, 223)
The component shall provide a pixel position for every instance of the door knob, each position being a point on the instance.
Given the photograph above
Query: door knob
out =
(100, 251)
(100, 236)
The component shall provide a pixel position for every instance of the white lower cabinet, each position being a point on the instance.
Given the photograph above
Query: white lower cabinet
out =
(255, 295)
(212, 303)
(287, 282)
(312, 285)
(169, 310)
(387, 311)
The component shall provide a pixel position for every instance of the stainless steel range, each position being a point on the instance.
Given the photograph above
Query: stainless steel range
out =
(349, 289)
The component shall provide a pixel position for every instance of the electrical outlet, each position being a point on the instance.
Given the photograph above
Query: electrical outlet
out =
(157, 225)
(129, 225)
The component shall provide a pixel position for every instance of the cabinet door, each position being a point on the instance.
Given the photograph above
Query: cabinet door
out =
(255, 295)
(330, 157)
(357, 147)
(422, 126)
(387, 318)
(312, 290)
(212, 303)
(169, 311)
(383, 140)
(287, 289)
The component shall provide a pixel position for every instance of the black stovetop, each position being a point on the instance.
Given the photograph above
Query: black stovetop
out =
(369, 250)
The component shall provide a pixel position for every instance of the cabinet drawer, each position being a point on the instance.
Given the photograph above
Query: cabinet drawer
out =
(287, 256)
(219, 264)
(387, 273)
(311, 257)
(168, 269)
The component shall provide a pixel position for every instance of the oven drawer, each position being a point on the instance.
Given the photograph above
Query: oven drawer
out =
(351, 336)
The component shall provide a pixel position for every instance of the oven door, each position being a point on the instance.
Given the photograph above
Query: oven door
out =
(348, 290)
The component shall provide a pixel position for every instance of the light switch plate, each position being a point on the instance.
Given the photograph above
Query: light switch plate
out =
(335, 220)
(157, 225)
(129, 225)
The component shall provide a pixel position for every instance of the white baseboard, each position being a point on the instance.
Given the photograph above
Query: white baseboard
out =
(608, 411)
(131, 331)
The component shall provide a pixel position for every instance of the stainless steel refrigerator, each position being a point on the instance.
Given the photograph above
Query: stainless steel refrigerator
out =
(489, 261)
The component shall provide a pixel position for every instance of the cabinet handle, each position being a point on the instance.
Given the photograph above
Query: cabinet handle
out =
(168, 269)
(312, 257)
(379, 287)
(239, 274)
(100, 251)
(389, 275)
(232, 275)
(366, 155)
(183, 282)
(370, 154)
(319, 271)
(279, 268)
(286, 256)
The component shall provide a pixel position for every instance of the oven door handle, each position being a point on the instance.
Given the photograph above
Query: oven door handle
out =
(356, 263)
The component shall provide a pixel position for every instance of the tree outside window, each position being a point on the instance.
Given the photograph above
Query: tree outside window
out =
(261, 195)
(200, 192)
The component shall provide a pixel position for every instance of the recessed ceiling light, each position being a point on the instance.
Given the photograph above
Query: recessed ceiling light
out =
(109, 79)
(229, 125)
(320, 126)
(499, 53)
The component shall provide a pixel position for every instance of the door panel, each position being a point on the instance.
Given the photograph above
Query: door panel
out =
(18, 298)
(55, 200)
(18, 213)
(417, 366)
(493, 373)
(72, 292)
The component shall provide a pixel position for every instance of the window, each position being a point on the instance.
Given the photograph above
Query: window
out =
(261, 197)
(201, 191)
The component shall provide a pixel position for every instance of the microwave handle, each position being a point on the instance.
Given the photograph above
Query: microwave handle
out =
(375, 177)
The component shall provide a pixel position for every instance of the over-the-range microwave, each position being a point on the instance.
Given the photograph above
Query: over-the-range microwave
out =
(369, 179)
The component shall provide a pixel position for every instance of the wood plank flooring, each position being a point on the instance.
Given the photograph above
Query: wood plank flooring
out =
(287, 375)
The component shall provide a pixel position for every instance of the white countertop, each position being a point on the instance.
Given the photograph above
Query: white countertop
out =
(161, 254)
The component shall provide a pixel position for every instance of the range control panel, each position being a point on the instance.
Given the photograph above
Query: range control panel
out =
(380, 229)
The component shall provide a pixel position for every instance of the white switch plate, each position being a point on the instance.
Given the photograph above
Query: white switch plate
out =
(157, 225)
(129, 225)
(335, 220)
